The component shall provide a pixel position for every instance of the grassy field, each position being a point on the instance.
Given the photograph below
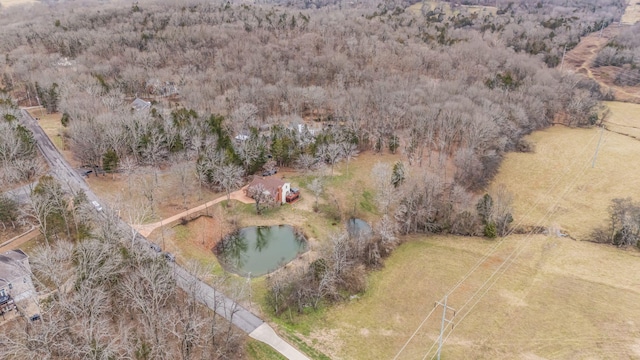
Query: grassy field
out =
(632, 13)
(8, 3)
(530, 297)
(52, 126)
(557, 185)
(558, 299)
(448, 11)
(623, 118)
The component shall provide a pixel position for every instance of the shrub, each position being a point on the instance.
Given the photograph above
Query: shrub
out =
(490, 230)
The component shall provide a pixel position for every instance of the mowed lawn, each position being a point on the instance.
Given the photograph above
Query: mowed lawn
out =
(557, 299)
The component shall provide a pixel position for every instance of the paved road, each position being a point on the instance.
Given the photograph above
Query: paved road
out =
(21, 194)
(216, 301)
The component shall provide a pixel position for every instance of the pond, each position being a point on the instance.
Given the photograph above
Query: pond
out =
(259, 250)
(358, 227)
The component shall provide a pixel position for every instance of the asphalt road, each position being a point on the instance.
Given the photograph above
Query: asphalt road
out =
(21, 194)
(213, 299)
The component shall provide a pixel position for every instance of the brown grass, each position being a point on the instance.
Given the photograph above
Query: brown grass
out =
(632, 13)
(623, 118)
(580, 60)
(557, 186)
(52, 126)
(8, 3)
(448, 11)
(559, 299)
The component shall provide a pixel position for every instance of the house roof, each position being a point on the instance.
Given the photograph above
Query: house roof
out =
(139, 104)
(270, 183)
(12, 266)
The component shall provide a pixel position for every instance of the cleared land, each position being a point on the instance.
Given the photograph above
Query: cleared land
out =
(8, 3)
(558, 298)
(448, 11)
(623, 118)
(632, 13)
(581, 60)
(557, 185)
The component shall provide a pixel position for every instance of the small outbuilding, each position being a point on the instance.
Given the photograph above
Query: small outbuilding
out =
(139, 105)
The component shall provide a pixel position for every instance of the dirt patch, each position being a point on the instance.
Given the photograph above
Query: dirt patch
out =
(581, 58)
(632, 13)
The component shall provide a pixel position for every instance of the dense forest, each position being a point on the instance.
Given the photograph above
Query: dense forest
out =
(305, 84)
(421, 84)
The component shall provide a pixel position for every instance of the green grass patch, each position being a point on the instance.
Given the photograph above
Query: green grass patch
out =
(305, 348)
(367, 202)
(182, 233)
(261, 351)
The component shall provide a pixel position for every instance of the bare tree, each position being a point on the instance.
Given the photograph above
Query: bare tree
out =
(331, 153)
(382, 175)
(317, 188)
(184, 173)
(306, 162)
(262, 197)
(228, 177)
(349, 150)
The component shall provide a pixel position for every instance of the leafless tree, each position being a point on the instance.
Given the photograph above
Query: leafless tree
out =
(229, 178)
(331, 153)
(317, 188)
(263, 199)
(381, 173)
(184, 172)
(306, 162)
(349, 150)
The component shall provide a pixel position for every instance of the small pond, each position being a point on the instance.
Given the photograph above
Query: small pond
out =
(260, 250)
(358, 227)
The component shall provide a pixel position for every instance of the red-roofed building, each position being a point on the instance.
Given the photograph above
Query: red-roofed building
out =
(274, 186)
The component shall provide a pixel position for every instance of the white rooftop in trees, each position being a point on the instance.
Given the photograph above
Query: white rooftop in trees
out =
(139, 104)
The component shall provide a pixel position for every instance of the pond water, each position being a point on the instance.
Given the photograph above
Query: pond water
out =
(260, 250)
(357, 227)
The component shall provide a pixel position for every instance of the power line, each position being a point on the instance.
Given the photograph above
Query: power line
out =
(493, 249)
(502, 269)
(520, 248)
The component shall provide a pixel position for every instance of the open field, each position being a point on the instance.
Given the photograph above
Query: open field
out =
(448, 11)
(560, 299)
(52, 126)
(632, 13)
(8, 3)
(623, 118)
(556, 185)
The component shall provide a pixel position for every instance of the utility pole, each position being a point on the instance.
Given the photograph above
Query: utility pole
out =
(563, 53)
(601, 29)
(445, 308)
(593, 163)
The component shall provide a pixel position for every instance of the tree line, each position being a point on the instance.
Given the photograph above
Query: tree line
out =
(105, 297)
